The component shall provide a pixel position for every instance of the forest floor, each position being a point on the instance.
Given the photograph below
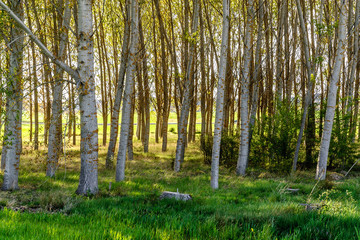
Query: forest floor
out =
(253, 207)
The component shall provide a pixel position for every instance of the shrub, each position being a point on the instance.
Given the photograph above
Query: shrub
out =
(274, 142)
(229, 149)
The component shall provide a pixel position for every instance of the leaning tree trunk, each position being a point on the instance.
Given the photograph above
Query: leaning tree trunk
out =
(129, 89)
(220, 98)
(244, 139)
(184, 115)
(311, 80)
(119, 92)
(55, 131)
(331, 102)
(12, 145)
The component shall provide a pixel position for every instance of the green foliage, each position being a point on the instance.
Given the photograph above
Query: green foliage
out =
(274, 145)
(229, 149)
(343, 152)
(336, 204)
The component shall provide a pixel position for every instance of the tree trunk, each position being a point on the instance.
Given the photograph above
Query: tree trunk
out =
(311, 80)
(180, 146)
(129, 87)
(55, 131)
(88, 183)
(255, 98)
(220, 98)
(12, 145)
(119, 91)
(331, 102)
(244, 139)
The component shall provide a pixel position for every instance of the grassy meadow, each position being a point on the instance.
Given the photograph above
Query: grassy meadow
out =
(254, 207)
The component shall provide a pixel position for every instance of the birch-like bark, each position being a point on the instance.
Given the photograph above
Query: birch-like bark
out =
(84, 77)
(184, 115)
(129, 86)
(245, 126)
(55, 131)
(12, 145)
(88, 183)
(331, 102)
(119, 91)
(220, 97)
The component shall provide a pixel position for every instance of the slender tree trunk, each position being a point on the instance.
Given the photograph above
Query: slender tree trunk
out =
(244, 139)
(311, 80)
(129, 86)
(180, 146)
(354, 63)
(55, 131)
(220, 97)
(146, 88)
(331, 102)
(255, 98)
(119, 91)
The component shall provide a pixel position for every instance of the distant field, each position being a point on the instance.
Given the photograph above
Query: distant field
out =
(172, 125)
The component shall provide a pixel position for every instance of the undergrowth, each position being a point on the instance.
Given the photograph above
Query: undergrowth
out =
(242, 208)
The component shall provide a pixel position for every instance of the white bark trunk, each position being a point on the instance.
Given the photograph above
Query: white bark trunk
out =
(220, 98)
(244, 139)
(12, 144)
(88, 182)
(129, 86)
(184, 115)
(84, 77)
(55, 131)
(331, 103)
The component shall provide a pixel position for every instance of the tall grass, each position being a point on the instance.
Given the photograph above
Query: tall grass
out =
(243, 208)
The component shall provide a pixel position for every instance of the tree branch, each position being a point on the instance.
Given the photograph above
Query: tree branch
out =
(73, 73)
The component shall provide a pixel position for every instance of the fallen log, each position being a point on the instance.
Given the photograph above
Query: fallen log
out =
(176, 195)
(292, 190)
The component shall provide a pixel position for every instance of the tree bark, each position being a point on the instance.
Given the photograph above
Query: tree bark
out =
(88, 183)
(119, 91)
(331, 102)
(12, 145)
(55, 131)
(184, 115)
(220, 98)
(129, 86)
(244, 139)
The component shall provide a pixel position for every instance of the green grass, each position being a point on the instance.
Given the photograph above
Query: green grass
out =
(243, 208)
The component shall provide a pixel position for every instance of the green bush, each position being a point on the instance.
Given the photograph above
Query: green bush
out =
(342, 150)
(229, 149)
(273, 143)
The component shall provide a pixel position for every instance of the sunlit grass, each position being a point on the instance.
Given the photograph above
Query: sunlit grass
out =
(243, 208)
